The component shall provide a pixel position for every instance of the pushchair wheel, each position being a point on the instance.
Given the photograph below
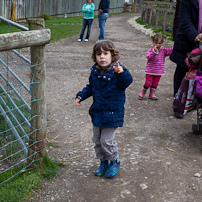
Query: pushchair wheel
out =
(195, 130)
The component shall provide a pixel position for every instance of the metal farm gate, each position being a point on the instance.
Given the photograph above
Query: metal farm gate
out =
(22, 97)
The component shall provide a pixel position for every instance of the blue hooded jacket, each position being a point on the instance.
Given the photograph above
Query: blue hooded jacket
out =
(108, 91)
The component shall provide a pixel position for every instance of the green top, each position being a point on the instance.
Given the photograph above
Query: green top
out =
(88, 10)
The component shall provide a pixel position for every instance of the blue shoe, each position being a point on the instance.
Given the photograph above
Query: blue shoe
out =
(102, 169)
(113, 168)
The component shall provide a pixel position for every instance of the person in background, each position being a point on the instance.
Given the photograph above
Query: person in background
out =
(107, 84)
(88, 10)
(186, 39)
(155, 66)
(103, 14)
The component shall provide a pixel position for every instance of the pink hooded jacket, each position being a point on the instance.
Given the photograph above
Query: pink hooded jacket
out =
(156, 60)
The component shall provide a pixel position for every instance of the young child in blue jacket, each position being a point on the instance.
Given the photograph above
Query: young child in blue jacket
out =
(107, 84)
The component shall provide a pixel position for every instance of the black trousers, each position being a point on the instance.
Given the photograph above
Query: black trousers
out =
(180, 72)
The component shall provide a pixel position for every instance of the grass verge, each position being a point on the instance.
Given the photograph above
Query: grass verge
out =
(60, 27)
(5, 29)
(155, 29)
(22, 186)
(64, 27)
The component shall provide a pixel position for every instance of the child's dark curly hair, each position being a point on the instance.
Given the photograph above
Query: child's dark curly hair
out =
(105, 45)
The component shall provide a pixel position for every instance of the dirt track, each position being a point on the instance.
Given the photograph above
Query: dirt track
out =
(159, 154)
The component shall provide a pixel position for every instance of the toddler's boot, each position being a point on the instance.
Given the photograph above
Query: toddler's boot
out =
(102, 169)
(141, 95)
(151, 95)
(113, 168)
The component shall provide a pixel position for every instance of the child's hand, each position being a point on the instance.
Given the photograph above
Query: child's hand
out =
(118, 69)
(78, 103)
(155, 49)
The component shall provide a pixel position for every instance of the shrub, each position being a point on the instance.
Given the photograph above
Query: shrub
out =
(45, 16)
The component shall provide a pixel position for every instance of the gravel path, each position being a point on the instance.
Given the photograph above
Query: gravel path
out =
(159, 154)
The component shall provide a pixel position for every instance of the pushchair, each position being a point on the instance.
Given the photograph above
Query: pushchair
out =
(194, 61)
(197, 128)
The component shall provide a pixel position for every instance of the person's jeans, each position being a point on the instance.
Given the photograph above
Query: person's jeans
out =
(86, 22)
(102, 18)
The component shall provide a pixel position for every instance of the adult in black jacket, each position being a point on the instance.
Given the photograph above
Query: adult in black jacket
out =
(186, 38)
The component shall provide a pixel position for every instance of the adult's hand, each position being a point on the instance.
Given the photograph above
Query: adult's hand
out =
(100, 11)
(198, 37)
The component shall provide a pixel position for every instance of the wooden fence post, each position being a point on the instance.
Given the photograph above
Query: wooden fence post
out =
(146, 13)
(38, 98)
(164, 21)
(150, 17)
(142, 14)
(157, 18)
(159, 8)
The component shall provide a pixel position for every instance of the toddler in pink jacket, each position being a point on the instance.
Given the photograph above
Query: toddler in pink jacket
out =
(155, 66)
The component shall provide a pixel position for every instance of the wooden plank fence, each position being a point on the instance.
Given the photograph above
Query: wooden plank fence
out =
(155, 13)
(34, 8)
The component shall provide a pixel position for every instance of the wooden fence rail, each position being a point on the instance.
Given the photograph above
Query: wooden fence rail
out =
(156, 13)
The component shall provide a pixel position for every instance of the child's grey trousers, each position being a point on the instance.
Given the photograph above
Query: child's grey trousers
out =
(105, 147)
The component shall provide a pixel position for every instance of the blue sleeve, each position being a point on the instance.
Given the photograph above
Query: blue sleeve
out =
(86, 92)
(124, 79)
(101, 5)
(104, 5)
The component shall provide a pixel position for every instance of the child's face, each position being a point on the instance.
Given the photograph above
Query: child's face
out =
(104, 58)
(158, 43)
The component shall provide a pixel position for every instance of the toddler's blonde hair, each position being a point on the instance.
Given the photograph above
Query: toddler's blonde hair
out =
(156, 37)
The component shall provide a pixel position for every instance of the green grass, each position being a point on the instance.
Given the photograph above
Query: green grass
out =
(155, 29)
(22, 186)
(4, 28)
(54, 145)
(60, 27)
(17, 185)
(64, 27)
(6, 135)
